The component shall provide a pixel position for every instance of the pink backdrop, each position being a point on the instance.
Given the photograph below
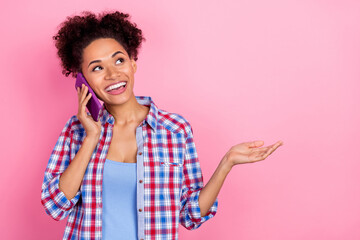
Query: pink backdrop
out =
(238, 71)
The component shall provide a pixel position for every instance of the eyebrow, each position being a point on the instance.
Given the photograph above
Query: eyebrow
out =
(114, 54)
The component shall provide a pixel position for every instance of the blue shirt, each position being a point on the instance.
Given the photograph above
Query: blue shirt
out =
(119, 201)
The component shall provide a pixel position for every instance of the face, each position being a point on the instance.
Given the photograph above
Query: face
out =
(107, 64)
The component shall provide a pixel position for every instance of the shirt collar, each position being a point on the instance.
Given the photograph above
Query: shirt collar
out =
(151, 118)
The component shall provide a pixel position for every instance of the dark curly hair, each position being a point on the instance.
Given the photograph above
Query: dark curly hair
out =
(77, 32)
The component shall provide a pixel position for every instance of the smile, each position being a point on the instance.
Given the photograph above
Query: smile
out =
(116, 86)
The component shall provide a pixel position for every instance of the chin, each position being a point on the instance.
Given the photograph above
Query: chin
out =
(119, 100)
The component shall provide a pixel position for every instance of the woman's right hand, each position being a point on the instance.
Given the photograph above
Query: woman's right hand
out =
(92, 128)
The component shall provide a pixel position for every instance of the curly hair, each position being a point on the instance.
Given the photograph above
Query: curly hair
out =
(77, 32)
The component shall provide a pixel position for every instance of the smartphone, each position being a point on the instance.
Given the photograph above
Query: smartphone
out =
(94, 106)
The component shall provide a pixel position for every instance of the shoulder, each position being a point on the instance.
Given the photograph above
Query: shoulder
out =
(174, 122)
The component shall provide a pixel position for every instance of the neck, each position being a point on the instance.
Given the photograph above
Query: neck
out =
(129, 112)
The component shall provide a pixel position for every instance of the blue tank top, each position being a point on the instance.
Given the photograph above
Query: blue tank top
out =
(119, 215)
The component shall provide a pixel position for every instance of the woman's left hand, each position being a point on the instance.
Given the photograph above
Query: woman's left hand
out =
(249, 152)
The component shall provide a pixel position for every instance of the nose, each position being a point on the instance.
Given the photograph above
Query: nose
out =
(110, 73)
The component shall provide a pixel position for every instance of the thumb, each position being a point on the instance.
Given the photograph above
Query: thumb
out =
(254, 144)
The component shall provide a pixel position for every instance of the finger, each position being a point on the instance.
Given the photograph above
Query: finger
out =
(87, 98)
(81, 90)
(265, 149)
(263, 152)
(78, 92)
(84, 93)
(275, 145)
(272, 149)
(255, 144)
(83, 101)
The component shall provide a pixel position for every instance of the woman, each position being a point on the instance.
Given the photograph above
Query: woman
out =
(135, 173)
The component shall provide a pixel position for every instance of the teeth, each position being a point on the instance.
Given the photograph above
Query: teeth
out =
(115, 86)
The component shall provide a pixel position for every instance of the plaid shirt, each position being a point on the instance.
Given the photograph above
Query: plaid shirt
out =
(169, 178)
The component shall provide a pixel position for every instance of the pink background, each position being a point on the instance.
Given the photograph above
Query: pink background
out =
(238, 71)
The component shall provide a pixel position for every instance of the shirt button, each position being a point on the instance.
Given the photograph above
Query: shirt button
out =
(140, 181)
(140, 153)
(140, 210)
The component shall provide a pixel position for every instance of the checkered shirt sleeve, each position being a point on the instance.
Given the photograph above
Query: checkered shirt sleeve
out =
(190, 216)
(54, 201)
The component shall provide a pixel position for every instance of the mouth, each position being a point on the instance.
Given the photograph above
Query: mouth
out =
(116, 86)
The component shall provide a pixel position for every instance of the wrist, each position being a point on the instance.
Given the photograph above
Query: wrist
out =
(92, 138)
(226, 164)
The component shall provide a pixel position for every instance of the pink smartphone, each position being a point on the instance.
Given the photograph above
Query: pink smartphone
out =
(94, 106)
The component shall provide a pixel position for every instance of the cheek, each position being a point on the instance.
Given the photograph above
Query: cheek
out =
(96, 91)
(91, 83)
(95, 87)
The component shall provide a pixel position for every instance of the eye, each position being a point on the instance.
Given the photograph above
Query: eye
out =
(97, 68)
(120, 60)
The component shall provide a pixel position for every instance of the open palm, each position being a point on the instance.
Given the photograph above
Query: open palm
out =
(249, 152)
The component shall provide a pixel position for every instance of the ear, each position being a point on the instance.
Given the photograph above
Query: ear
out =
(133, 63)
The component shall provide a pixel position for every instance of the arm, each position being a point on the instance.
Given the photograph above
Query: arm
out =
(210, 192)
(242, 153)
(190, 214)
(71, 179)
(57, 203)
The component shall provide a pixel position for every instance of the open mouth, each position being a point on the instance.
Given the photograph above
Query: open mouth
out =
(116, 87)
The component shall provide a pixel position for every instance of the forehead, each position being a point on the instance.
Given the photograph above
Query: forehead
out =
(102, 48)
